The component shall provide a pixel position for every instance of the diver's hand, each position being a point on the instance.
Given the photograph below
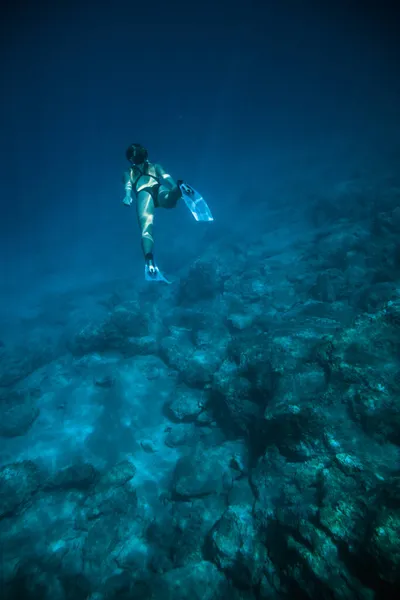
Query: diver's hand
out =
(127, 201)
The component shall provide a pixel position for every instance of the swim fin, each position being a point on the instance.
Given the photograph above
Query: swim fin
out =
(154, 275)
(195, 203)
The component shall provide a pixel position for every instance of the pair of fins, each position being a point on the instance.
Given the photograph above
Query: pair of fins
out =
(201, 212)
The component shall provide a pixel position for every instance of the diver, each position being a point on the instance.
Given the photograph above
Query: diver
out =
(154, 188)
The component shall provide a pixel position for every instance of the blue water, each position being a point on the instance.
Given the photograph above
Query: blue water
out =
(234, 434)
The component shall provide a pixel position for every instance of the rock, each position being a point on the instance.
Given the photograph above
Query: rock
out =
(236, 548)
(79, 477)
(18, 483)
(16, 364)
(18, 412)
(126, 329)
(208, 471)
(197, 581)
(186, 405)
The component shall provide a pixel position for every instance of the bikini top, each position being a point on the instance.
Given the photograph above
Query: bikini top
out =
(149, 171)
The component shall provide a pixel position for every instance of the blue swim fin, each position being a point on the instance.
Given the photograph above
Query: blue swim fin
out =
(195, 203)
(154, 275)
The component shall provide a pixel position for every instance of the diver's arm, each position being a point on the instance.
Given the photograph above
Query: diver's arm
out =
(128, 188)
(165, 177)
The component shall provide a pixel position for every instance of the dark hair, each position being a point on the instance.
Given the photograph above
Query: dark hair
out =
(136, 154)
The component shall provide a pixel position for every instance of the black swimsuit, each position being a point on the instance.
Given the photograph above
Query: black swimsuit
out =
(150, 189)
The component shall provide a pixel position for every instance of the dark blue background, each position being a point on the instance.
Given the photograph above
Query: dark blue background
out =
(221, 93)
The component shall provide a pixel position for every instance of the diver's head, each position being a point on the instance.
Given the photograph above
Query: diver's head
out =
(136, 154)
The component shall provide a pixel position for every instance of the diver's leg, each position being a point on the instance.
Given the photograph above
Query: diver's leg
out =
(145, 214)
(168, 198)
